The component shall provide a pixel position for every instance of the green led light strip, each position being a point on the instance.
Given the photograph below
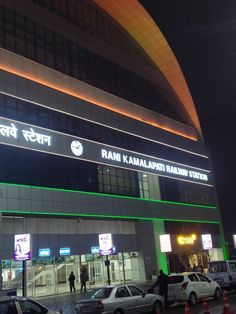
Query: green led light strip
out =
(105, 216)
(107, 195)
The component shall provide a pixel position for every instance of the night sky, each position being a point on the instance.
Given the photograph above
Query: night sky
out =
(202, 35)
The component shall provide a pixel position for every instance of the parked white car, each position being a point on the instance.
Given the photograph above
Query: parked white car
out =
(118, 300)
(191, 286)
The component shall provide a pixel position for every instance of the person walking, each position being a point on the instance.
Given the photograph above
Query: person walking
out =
(83, 279)
(72, 281)
(162, 282)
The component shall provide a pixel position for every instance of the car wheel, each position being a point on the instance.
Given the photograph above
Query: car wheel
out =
(119, 311)
(192, 298)
(156, 306)
(217, 294)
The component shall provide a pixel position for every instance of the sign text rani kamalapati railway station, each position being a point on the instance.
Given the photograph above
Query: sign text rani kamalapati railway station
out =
(31, 137)
(149, 164)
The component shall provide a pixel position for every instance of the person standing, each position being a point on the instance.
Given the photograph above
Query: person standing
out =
(188, 268)
(162, 282)
(72, 281)
(83, 279)
(181, 268)
(194, 268)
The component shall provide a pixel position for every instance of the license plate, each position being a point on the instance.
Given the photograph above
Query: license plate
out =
(87, 309)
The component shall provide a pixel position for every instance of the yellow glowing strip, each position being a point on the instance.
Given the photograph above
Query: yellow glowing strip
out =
(185, 240)
(70, 92)
(108, 126)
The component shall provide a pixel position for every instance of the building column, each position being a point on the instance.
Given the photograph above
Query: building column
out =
(161, 258)
(223, 243)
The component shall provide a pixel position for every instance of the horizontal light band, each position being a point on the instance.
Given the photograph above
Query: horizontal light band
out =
(52, 84)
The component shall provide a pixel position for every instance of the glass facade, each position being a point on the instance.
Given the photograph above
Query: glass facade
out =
(180, 191)
(18, 166)
(33, 41)
(49, 275)
(88, 17)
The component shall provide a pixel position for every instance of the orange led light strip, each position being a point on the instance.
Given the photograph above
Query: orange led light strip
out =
(79, 95)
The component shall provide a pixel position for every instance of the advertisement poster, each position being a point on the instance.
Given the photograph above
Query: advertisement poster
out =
(105, 244)
(22, 247)
(206, 242)
(165, 243)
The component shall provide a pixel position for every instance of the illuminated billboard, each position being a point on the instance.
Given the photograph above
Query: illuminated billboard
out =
(206, 242)
(105, 244)
(165, 243)
(22, 247)
(234, 239)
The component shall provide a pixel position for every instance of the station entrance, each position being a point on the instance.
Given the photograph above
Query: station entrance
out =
(49, 275)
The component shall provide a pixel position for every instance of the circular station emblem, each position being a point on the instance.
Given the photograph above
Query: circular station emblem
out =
(77, 148)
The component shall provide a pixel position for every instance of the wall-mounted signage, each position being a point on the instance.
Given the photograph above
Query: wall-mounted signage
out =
(29, 134)
(165, 243)
(186, 239)
(105, 244)
(48, 141)
(150, 164)
(44, 252)
(95, 250)
(22, 247)
(64, 251)
(206, 242)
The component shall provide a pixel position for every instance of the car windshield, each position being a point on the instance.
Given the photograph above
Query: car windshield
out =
(99, 293)
(217, 267)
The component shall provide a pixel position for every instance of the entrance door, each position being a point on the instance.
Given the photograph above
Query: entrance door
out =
(99, 272)
(115, 273)
(50, 279)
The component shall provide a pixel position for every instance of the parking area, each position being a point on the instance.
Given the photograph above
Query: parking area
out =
(65, 303)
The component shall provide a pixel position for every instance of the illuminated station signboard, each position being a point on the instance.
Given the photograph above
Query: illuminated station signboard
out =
(44, 140)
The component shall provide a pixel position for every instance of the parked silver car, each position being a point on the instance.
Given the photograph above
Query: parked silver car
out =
(20, 305)
(119, 299)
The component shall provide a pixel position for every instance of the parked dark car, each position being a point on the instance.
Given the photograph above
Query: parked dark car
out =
(21, 305)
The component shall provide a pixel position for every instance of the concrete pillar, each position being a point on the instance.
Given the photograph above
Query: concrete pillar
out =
(162, 261)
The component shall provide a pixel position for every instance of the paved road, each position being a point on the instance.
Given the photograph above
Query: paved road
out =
(66, 303)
